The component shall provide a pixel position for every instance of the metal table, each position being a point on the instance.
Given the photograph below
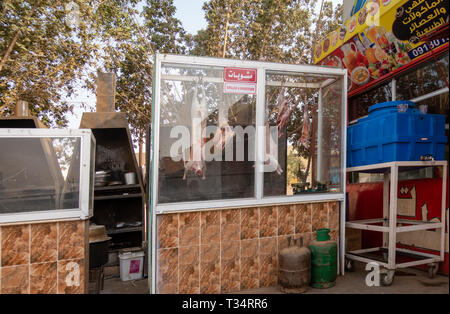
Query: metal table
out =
(390, 225)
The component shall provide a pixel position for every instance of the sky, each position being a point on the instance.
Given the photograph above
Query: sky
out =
(191, 15)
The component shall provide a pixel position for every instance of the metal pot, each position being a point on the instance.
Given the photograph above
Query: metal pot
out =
(98, 246)
(130, 178)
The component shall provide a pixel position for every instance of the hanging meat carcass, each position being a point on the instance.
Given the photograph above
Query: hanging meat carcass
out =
(224, 133)
(270, 162)
(306, 129)
(284, 111)
(271, 151)
(199, 111)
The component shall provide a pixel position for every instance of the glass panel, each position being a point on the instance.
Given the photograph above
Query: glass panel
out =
(423, 79)
(196, 162)
(437, 104)
(92, 177)
(39, 174)
(359, 177)
(303, 134)
(358, 106)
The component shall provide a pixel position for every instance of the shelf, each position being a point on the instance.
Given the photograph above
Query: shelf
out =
(373, 254)
(116, 187)
(414, 225)
(124, 230)
(114, 197)
(405, 165)
(390, 227)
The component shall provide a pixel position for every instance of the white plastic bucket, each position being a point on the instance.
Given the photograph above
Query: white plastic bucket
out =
(131, 265)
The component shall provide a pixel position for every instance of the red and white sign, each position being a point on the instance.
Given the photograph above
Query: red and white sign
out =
(239, 88)
(240, 75)
(239, 81)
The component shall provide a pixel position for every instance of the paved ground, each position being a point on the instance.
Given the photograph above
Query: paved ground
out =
(405, 281)
(116, 286)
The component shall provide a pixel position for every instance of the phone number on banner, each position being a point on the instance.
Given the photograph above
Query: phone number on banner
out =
(424, 48)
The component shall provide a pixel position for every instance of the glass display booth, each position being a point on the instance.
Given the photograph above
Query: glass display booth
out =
(46, 174)
(234, 134)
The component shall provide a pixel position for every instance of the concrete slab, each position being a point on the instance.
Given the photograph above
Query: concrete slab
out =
(117, 286)
(406, 281)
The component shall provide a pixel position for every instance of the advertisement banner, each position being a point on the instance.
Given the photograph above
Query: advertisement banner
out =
(382, 37)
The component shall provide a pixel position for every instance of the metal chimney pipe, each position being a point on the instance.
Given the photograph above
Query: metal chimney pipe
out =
(106, 87)
(22, 109)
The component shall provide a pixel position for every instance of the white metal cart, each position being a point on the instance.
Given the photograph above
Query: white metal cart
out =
(390, 225)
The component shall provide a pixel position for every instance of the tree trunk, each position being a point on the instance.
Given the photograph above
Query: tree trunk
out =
(262, 50)
(227, 22)
(8, 51)
(318, 26)
(141, 148)
(13, 42)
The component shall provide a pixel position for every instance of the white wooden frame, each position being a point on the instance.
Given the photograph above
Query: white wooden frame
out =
(389, 220)
(84, 211)
(259, 143)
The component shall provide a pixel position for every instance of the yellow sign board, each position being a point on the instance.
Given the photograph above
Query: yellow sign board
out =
(381, 37)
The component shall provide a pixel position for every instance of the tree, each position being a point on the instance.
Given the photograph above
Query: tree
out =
(46, 47)
(269, 30)
(40, 57)
(130, 53)
(164, 30)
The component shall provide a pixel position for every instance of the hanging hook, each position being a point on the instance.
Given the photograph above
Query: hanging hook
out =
(200, 79)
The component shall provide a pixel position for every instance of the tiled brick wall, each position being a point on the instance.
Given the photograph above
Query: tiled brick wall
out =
(44, 258)
(223, 251)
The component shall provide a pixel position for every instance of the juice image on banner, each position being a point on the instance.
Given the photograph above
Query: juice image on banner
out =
(349, 59)
(365, 40)
(370, 55)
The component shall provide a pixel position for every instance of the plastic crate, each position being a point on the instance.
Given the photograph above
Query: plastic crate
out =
(387, 134)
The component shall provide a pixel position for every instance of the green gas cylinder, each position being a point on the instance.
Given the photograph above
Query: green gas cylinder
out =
(323, 260)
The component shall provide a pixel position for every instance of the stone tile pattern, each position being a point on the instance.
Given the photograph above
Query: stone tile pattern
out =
(44, 258)
(223, 251)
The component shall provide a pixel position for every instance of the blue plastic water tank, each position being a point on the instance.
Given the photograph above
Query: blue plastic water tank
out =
(387, 134)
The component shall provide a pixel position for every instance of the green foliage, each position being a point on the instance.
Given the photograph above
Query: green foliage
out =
(164, 30)
(44, 58)
(269, 30)
(143, 32)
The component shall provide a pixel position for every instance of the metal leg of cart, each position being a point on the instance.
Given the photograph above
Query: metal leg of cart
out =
(387, 276)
